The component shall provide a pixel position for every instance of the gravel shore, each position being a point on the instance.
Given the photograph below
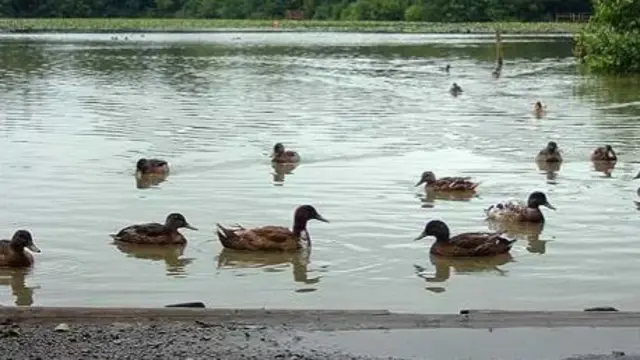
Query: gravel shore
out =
(161, 340)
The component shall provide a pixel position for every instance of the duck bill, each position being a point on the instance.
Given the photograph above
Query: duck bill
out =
(549, 206)
(33, 248)
(188, 226)
(419, 183)
(320, 218)
(420, 237)
(636, 177)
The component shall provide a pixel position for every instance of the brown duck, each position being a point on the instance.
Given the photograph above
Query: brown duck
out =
(12, 252)
(271, 238)
(152, 167)
(281, 155)
(456, 183)
(472, 244)
(517, 211)
(604, 153)
(155, 233)
(550, 153)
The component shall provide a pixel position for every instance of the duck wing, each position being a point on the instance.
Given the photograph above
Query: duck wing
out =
(140, 230)
(475, 244)
(506, 210)
(266, 238)
(455, 183)
(157, 162)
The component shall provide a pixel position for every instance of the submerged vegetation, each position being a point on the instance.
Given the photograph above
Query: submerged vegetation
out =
(157, 24)
(611, 41)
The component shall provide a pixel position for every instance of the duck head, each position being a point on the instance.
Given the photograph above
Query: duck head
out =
(143, 165)
(552, 147)
(278, 149)
(538, 105)
(176, 221)
(427, 177)
(609, 151)
(537, 199)
(302, 215)
(437, 229)
(22, 239)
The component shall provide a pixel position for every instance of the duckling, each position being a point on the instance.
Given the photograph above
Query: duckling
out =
(152, 166)
(271, 238)
(12, 252)
(538, 109)
(604, 153)
(280, 155)
(469, 244)
(516, 211)
(549, 153)
(456, 183)
(455, 89)
(155, 233)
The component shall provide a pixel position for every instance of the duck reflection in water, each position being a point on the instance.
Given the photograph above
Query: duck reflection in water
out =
(269, 262)
(170, 254)
(461, 266)
(15, 279)
(523, 231)
(280, 170)
(605, 167)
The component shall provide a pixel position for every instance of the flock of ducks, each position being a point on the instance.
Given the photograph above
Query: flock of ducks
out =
(283, 239)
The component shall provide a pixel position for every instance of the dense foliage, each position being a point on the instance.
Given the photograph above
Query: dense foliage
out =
(410, 10)
(611, 41)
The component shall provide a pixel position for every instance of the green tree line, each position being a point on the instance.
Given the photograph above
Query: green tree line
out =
(408, 10)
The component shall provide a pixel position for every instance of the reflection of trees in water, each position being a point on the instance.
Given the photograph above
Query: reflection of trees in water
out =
(269, 262)
(170, 254)
(15, 280)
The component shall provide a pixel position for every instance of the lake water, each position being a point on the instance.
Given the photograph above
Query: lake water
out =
(368, 113)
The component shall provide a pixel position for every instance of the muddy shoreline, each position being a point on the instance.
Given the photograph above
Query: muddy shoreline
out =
(178, 333)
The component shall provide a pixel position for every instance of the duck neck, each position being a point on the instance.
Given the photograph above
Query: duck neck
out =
(299, 225)
(442, 235)
(17, 247)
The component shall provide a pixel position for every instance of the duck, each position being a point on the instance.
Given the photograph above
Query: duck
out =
(280, 155)
(516, 211)
(12, 252)
(471, 244)
(152, 167)
(155, 233)
(447, 68)
(455, 183)
(271, 238)
(538, 109)
(604, 153)
(455, 89)
(550, 153)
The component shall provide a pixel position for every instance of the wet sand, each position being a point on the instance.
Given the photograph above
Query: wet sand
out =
(175, 333)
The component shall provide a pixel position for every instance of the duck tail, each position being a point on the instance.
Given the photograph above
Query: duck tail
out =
(226, 236)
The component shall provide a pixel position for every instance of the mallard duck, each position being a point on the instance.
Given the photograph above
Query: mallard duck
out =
(538, 109)
(280, 155)
(152, 166)
(466, 244)
(447, 68)
(12, 252)
(604, 153)
(516, 211)
(455, 89)
(549, 153)
(155, 233)
(271, 238)
(456, 183)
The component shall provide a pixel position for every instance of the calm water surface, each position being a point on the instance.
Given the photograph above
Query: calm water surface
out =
(368, 113)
